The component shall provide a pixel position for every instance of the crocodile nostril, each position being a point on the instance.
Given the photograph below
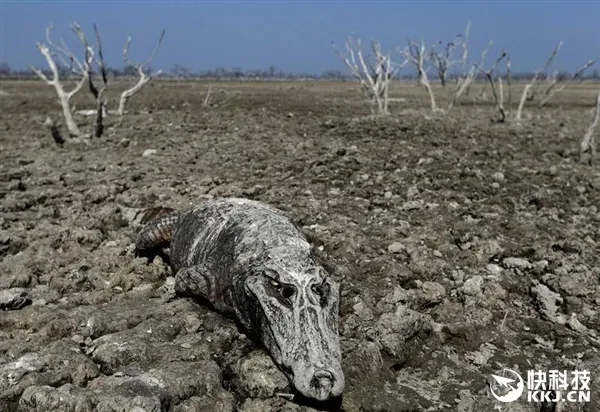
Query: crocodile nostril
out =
(323, 379)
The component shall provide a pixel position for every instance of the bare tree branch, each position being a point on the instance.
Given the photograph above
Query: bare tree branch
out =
(443, 61)
(100, 60)
(140, 67)
(206, 102)
(464, 82)
(63, 53)
(208, 98)
(528, 90)
(464, 44)
(40, 73)
(374, 74)
(64, 97)
(498, 99)
(155, 51)
(126, 51)
(100, 99)
(90, 58)
(416, 54)
(500, 93)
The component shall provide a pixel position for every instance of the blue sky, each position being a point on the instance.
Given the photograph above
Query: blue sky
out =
(296, 36)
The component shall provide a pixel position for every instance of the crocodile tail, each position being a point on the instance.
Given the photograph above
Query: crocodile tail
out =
(157, 233)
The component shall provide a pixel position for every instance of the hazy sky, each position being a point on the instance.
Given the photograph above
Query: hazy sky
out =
(296, 36)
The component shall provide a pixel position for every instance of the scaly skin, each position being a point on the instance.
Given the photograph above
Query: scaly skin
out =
(159, 228)
(247, 259)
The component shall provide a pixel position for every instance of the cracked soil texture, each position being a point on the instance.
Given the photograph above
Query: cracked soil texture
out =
(462, 247)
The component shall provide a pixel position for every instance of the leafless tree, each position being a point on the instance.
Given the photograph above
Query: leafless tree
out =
(208, 98)
(469, 70)
(142, 69)
(53, 53)
(98, 93)
(528, 90)
(374, 72)
(416, 54)
(493, 77)
(443, 60)
(206, 101)
(588, 142)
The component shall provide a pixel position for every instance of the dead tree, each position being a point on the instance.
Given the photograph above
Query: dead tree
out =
(374, 73)
(98, 93)
(469, 71)
(588, 142)
(444, 60)
(417, 55)
(142, 69)
(492, 78)
(528, 90)
(208, 98)
(206, 102)
(553, 89)
(52, 52)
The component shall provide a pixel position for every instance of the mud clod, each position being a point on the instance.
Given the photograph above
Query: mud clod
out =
(259, 377)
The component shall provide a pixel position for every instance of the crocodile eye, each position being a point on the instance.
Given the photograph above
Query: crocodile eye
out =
(284, 290)
(287, 291)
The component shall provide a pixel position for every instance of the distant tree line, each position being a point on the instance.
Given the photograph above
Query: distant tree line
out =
(64, 72)
(237, 73)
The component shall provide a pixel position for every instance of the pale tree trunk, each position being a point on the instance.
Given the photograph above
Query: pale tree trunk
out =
(64, 97)
(129, 93)
(526, 91)
(509, 86)
(68, 59)
(588, 142)
(416, 54)
(466, 80)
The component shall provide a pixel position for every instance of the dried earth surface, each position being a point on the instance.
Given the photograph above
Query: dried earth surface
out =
(463, 247)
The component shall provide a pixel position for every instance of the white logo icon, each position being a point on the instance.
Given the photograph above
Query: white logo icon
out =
(507, 388)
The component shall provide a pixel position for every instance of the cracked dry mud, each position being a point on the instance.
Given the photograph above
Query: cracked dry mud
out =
(462, 247)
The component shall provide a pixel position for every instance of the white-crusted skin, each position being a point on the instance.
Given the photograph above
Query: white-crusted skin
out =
(248, 259)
